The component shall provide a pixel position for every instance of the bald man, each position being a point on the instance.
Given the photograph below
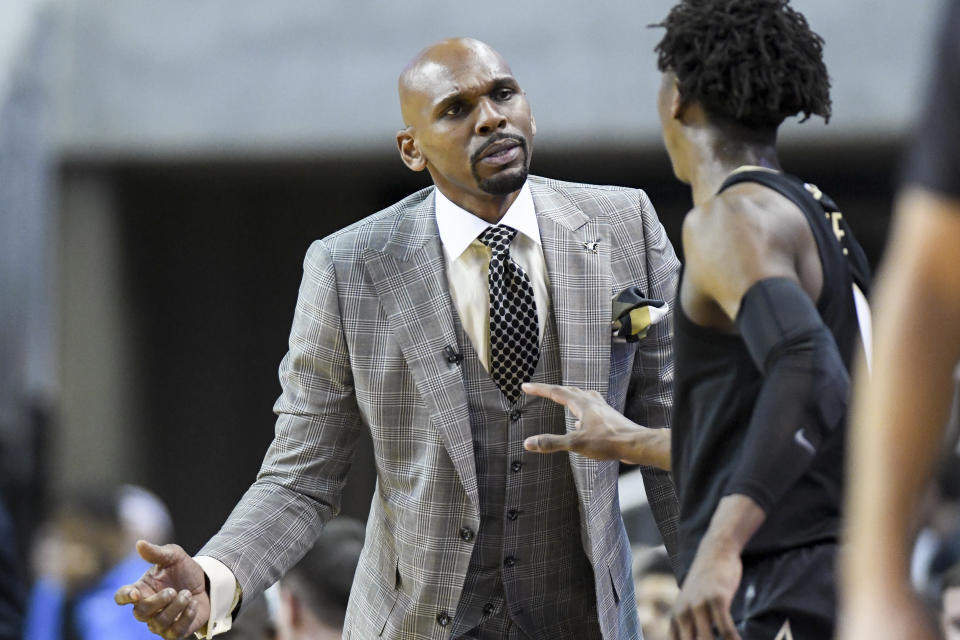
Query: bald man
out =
(419, 324)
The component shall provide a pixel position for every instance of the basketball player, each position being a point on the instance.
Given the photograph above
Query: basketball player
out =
(765, 332)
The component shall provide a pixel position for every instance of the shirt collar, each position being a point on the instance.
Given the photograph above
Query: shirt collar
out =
(458, 227)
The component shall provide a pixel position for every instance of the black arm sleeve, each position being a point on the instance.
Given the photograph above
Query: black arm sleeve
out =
(804, 393)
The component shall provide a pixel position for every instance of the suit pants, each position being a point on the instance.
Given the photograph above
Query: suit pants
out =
(788, 596)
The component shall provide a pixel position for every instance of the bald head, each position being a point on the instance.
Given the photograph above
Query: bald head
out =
(438, 66)
(467, 123)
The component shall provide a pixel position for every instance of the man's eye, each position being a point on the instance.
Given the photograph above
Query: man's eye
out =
(454, 110)
(504, 94)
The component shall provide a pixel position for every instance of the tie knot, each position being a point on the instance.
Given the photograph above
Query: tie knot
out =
(498, 238)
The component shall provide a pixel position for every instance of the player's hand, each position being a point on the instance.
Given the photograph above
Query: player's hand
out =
(703, 606)
(600, 432)
(170, 597)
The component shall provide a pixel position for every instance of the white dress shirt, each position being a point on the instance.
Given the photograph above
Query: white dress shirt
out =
(468, 265)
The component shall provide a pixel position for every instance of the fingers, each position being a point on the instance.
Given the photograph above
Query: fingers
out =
(681, 626)
(703, 621)
(174, 616)
(558, 393)
(127, 594)
(162, 556)
(702, 626)
(148, 607)
(187, 623)
(723, 621)
(547, 443)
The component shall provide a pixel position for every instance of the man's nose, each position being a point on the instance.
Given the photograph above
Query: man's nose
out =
(489, 117)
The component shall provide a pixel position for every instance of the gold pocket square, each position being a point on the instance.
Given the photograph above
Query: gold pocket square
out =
(634, 314)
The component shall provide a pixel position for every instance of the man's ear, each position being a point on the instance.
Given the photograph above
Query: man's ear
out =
(410, 151)
(533, 124)
(677, 104)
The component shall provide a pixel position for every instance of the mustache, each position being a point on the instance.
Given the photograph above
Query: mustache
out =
(495, 138)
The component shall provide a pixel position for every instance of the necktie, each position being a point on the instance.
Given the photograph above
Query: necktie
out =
(514, 329)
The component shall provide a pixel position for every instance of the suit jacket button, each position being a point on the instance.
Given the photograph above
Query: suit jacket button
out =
(488, 608)
(512, 514)
(515, 466)
(467, 534)
(515, 415)
(509, 562)
(443, 619)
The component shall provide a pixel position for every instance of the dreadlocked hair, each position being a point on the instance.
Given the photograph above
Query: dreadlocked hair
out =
(754, 62)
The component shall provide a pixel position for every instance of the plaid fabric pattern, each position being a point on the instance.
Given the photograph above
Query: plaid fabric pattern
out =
(499, 626)
(366, 351)
(528, 563)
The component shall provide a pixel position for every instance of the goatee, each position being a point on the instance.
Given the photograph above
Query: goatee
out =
(505, 182)
(508, 180)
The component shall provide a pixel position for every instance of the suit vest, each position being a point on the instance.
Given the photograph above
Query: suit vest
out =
(528, 562)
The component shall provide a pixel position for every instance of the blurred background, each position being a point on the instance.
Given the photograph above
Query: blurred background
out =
(164, 166)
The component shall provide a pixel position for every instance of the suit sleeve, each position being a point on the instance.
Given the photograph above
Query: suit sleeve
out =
(650, 394)
(305, 468)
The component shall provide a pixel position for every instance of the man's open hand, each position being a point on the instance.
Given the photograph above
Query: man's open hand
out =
(170, 597)
(601, 432)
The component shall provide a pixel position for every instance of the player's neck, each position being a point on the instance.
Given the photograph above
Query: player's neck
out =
(719, 157)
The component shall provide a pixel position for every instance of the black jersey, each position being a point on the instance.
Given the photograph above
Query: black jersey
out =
(716, 386)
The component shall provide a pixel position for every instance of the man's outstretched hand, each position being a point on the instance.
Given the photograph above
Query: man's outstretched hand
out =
(600, 432)
(170, 597)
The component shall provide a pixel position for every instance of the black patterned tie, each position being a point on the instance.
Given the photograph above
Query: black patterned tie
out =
(514, 328)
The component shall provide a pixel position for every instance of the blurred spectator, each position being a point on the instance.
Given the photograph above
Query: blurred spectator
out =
(11, 588)
(937, 546)
(313, 595)
(656, 591)
(83, 556)
(950, 604)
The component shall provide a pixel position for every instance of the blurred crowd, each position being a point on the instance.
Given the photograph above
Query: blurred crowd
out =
(85, 549)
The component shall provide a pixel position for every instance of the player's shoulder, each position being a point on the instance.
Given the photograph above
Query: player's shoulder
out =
(747, 207)
(746, 219)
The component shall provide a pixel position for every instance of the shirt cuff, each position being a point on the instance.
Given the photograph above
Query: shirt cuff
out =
(224, 595)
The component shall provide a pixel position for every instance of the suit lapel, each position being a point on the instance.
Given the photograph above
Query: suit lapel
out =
(576, 249)
(410, 278)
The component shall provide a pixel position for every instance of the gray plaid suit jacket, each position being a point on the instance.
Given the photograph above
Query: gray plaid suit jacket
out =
(367, 351)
